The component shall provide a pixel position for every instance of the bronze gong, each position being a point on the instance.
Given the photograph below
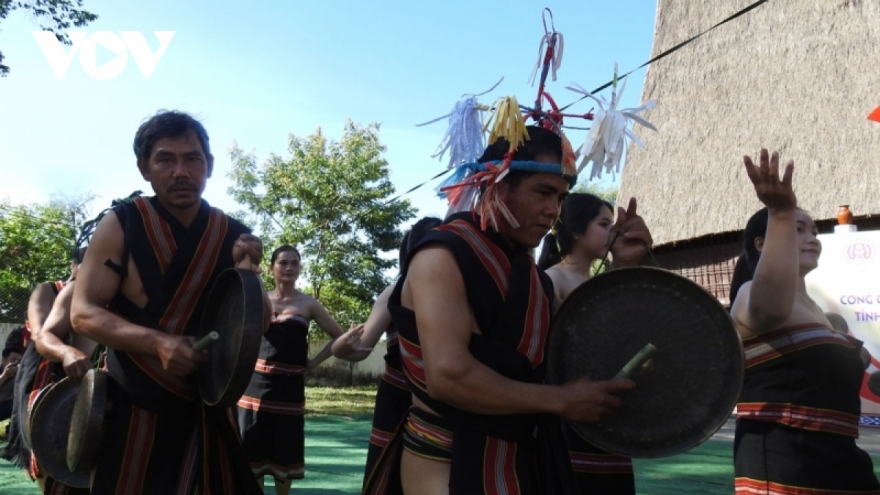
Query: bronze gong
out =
(695, 374)
(234, 310)
(87, 421)
(50, 423)
(28, 420)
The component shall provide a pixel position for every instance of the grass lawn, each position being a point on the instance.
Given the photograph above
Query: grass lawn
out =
(338, 429)
(340, 401)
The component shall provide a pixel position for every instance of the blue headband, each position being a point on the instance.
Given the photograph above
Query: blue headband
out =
(466, 169)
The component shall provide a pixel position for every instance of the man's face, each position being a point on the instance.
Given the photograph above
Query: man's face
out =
(535, 204)
(178, 170)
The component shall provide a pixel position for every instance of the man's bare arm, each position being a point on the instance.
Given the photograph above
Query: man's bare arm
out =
(435, 290)
(98, 284)
(328, 324)
(358, 343)
(39, 307)
(50, 343)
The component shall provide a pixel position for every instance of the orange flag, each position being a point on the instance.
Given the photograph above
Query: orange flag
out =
(875, 115)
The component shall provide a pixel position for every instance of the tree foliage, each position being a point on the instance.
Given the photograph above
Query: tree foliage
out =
(605, 191)
(54, 15)
(36, 246)
(330, 200)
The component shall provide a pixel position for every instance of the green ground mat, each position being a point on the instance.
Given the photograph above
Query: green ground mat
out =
(336, 449)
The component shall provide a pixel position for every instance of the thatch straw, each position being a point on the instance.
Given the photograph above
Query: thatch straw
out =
(796, 76)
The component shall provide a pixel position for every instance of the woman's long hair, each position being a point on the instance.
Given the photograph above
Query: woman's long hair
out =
(578, 210)
(748, 259)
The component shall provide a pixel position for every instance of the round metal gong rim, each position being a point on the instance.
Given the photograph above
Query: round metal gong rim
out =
(83, 441)
(647, 276)
(30, 413)
(248, 340)
(48, 408)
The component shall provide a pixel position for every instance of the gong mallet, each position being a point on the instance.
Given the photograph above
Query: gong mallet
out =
(637, 361)
(206, 341)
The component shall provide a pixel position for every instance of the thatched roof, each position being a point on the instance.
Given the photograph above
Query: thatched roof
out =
(799, 76)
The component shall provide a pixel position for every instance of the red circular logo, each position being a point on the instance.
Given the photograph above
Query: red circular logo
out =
(859, 252)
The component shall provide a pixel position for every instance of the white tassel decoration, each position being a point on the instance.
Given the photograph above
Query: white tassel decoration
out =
(605, 143)
(464, 139)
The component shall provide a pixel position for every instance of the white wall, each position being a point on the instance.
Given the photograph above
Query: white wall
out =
(339, 372)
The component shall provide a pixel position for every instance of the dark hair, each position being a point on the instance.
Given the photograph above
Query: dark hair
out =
(748, 259)
(413, 236)
(167, 124)
(9, 350)
(578, 210)
(541, 142)
(15, 339)
(282, 249)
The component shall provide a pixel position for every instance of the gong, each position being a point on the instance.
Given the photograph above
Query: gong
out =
(695, 374)
(234, 310)
(87, 421)
(28, 425)
(50, 423)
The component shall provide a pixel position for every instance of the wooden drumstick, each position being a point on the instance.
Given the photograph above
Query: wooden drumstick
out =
(206, 341)
(637, 361)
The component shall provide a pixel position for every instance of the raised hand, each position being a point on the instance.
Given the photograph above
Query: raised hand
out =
(349, 346)
(776, 194)
(247, 252)
(10, 370)
(630, 236)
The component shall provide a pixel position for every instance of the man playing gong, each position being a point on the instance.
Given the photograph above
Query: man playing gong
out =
(141, 292)
(473, 312)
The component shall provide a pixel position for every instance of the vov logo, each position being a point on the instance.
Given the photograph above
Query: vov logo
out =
(86, 45)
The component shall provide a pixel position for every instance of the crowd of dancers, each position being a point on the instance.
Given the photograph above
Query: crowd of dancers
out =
(463, 406)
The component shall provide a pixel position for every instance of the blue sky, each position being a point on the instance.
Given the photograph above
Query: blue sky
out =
(254, 72)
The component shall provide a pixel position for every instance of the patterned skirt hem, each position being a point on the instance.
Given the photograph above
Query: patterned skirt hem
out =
(295, 472)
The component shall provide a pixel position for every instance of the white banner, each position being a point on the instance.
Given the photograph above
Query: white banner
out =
(847, 282)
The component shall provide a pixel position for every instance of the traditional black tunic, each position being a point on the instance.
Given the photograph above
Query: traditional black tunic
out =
(393, 400)
(270, 413)
(798, 415)
(510, 299)
(598, 472)
(161, 438)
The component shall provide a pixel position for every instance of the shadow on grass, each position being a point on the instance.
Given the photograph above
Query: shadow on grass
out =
(706, 469)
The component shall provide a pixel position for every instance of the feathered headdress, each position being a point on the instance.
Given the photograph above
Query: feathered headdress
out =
(474, 186)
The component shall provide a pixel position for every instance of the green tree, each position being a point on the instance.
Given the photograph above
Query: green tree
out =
(330, 200)
(36, 245)
(605, 191)
(54, 15)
